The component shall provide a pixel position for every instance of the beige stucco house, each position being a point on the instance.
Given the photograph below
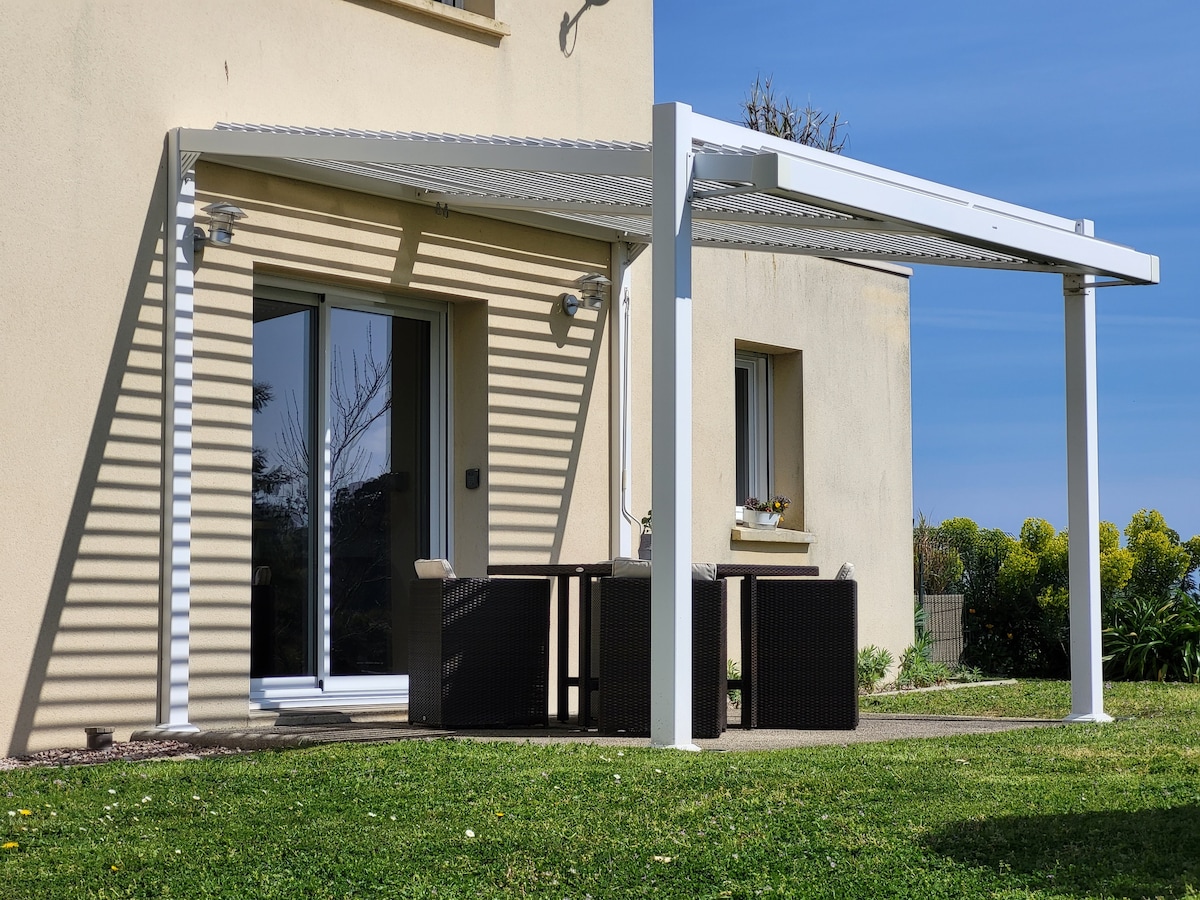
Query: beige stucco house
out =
(421, 350)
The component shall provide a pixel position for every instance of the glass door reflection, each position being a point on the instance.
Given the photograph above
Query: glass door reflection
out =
(379, 439)
(282, 617)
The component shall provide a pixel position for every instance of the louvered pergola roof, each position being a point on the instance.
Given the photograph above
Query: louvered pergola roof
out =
(750, 191)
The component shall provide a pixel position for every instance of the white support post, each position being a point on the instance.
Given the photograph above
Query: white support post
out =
(175, 648)
(1083, 497)
(620, 413)
(671, 431)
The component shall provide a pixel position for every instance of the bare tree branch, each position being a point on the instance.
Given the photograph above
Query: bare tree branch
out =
(763, 111)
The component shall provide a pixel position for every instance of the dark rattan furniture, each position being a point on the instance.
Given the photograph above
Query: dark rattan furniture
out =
(800, 647)
(585, 574)
(479, 652)
(562, 573)
(625, 657)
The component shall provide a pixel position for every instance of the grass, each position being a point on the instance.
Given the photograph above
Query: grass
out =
(1080, 811)
(1041, 700)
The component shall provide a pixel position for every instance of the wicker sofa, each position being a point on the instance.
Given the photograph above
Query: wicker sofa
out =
(479, 652)
(624, 650)
(801, 643)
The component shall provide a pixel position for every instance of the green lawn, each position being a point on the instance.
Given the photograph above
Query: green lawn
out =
(1042, 699)
(1081, 811)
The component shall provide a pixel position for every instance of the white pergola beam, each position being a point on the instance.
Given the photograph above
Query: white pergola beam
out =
(1083, 498)
(856, 194)
(858, 189)
(178, 312)
(516, 157)
(726, 134)
(671, 433)
(757, 169)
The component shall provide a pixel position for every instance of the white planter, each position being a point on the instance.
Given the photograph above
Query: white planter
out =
(761, 519)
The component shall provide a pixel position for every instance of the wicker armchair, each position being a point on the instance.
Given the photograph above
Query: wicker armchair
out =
(625, 657)
(479, 652)
(804, 654)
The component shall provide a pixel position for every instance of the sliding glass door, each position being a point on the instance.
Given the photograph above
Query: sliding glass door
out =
(349, 488)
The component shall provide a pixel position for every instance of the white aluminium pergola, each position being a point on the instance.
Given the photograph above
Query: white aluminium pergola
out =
(701, 183)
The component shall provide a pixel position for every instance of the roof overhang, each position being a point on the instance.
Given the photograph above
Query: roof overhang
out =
(749, 191)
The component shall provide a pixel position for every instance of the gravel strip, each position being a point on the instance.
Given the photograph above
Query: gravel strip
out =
(129, 751)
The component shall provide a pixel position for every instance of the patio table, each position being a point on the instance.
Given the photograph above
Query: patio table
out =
(586, 573)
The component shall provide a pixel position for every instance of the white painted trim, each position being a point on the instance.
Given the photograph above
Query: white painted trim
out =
(323, 437)
(392, 306)
(727, 134)
(1083, 498)
(857, 188)
(178, 330)
(283, 698)
(758, 424)
(620, 413)
(974, 224)
(355, 685)
(671, 456)
(301, 690)
(449, 483)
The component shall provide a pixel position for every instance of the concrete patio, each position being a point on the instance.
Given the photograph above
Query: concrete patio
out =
(296, 731)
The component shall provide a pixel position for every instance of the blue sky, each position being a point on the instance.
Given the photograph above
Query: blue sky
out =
(1081, 109)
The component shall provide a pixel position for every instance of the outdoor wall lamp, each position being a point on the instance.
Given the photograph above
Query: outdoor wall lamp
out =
(222, 215)
(591, 294)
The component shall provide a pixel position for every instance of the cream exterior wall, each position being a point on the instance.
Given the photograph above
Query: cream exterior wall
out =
(89, 90)
(838, 334)
(530, 385)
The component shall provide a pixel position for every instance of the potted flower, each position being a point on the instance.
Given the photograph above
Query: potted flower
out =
(765, 513)
(644, 540)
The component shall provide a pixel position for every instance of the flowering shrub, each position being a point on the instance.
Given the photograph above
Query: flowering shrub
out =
(776, 504)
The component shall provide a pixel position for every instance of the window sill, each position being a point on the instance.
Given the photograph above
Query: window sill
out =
(454, 15)
(771, 536)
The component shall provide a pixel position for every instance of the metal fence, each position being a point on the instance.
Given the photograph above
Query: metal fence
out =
(943, 619)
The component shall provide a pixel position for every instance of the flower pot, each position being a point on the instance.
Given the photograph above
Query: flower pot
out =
(764, 519)
(644, 546)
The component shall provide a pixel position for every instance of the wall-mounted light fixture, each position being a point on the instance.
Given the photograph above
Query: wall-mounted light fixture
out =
(222, 214)
(591, 294)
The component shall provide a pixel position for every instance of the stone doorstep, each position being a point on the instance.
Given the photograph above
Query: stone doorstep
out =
(394, 714)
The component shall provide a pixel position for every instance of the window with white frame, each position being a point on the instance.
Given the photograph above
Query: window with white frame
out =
(752, 404)
(455, 3)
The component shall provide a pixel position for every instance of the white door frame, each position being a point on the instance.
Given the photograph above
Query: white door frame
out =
(324, 688)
